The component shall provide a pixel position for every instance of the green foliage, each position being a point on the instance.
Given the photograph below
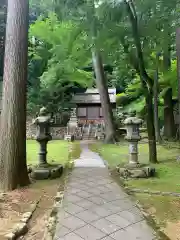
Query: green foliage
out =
(169, 79)
(121, 99)
(157, 24)
(40, 7)
(132, 99)
(137, 105)
(61, 49)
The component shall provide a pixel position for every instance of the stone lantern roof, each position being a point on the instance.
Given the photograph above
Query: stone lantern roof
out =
(91, 95)
(133, 121)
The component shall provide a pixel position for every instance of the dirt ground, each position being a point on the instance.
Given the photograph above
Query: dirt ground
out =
(172, 230)
(165, 215)
(15, 203)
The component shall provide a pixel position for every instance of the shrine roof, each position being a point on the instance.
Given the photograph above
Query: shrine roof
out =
(92, 96)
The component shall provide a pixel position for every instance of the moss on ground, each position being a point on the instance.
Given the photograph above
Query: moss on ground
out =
(164, 208)
(168, 169)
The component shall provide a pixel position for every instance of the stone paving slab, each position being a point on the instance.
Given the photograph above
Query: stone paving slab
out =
(89, 159)
(95, 207)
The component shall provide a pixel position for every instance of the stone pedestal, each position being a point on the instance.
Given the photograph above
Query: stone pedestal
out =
(48, 172)
(43, 153)
(133, 153)
(138, 171)
(69, 137)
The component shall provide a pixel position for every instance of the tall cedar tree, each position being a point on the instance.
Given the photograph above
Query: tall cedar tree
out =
(178, 74)
(13, 168)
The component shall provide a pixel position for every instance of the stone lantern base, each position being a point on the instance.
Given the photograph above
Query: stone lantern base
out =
(47, 172)
(69, 137)
(136, 171)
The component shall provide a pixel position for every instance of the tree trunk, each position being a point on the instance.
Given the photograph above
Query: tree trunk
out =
(3, 15)
(156, 101)
(178, 74)
(100, 77)
(150, 128)
(169, 123)
(167, 49)
(104, 95)
(146, 81)
(13, 117)
(167, 59)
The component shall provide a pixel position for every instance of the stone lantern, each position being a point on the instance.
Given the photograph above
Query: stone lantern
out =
(43, 136)
(133, 136)
(134, 169)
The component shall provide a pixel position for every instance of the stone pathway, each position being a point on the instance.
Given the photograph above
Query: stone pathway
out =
(95, 207)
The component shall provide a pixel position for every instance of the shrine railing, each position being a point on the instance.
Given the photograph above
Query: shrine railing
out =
(90, 121)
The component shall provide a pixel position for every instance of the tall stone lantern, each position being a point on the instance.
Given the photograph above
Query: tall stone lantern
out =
(134, 169)
(43, 136)
(133, 137)
(44, 170)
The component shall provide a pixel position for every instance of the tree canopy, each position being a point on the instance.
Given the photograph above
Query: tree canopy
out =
(59, 48)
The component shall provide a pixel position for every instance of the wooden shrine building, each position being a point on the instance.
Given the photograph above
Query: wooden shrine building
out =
(88, 105)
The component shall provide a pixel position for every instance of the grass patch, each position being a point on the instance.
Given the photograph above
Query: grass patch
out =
(57, 152)
(167, 169)
(76, 150)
